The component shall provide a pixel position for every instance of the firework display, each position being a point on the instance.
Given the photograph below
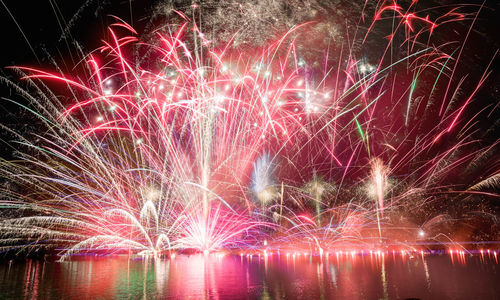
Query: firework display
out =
(180, 141)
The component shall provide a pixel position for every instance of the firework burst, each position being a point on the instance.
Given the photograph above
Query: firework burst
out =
(205, 146)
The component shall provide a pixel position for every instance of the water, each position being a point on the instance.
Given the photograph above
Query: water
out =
(235, 277)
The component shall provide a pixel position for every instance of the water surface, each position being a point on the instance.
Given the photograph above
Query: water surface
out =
(236, 277)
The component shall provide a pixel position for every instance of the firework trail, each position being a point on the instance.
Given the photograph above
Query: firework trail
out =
(194, 144)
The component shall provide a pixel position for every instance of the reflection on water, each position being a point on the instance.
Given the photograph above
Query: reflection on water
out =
(236, 277)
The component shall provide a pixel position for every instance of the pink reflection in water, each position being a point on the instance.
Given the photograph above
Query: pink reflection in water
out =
(208, 277)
